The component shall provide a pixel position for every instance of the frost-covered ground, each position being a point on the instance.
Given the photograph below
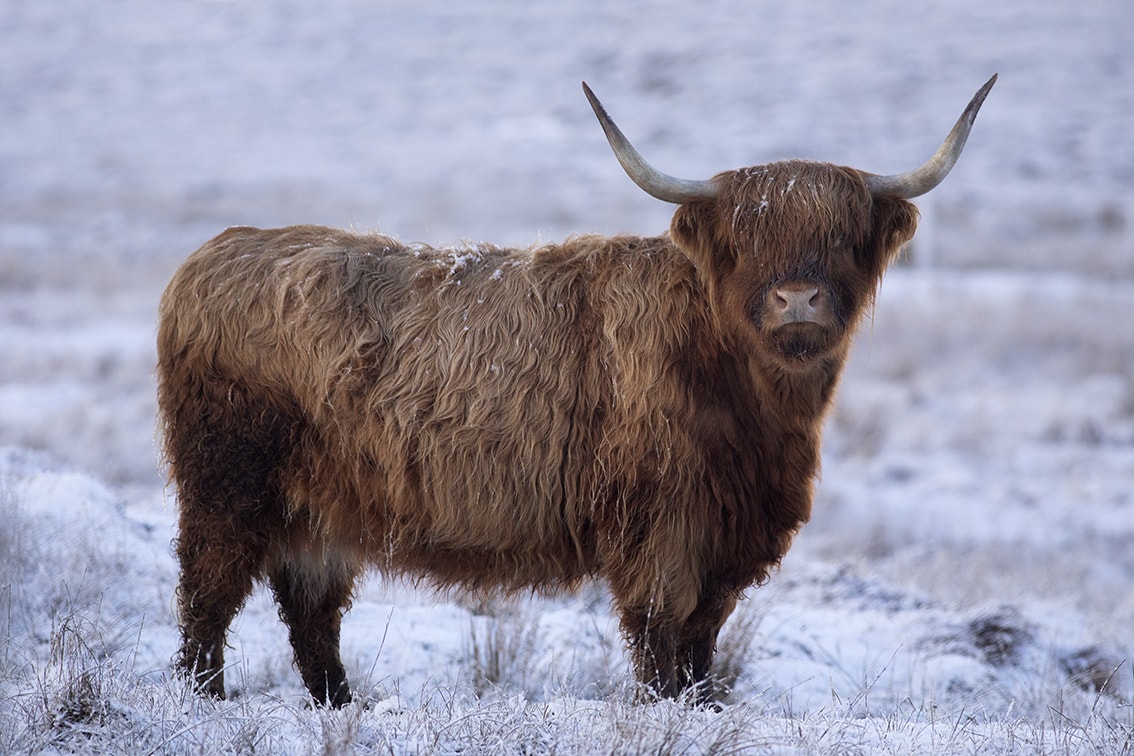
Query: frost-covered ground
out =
(966, 582)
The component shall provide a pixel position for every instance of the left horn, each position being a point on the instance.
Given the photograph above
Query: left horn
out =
(918, 182)
(652, 181)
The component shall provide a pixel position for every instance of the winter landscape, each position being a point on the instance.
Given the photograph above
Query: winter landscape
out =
(966, 584)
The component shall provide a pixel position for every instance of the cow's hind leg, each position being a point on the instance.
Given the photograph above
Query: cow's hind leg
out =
(216, 578)
(312, 591)
(224, 449)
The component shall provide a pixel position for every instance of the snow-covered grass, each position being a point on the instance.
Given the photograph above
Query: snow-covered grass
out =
(826, 660)
(965, 583)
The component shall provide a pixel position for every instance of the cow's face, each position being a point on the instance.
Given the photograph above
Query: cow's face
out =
(792, 253)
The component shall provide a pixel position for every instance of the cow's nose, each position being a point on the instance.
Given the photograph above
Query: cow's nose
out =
(796, 303)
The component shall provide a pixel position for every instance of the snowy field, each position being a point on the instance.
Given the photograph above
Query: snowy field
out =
(966, 584)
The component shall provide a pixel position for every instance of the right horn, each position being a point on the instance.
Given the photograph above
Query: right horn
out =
(650, 180)
(917, 182)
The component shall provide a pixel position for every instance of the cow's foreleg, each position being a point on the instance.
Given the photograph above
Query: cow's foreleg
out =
(653, 648)
(312, 596)
(699, 643)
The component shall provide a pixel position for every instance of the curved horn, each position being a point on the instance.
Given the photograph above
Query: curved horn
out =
(917, 182)
(652, 182)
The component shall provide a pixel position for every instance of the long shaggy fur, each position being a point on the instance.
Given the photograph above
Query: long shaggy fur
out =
(499, 419)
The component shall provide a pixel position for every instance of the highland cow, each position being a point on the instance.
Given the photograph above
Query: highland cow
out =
(646, 410)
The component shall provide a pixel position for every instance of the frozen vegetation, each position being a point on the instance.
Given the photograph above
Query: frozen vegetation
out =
(966, 584)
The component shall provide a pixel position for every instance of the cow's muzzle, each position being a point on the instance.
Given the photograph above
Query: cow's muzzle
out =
(797, 303)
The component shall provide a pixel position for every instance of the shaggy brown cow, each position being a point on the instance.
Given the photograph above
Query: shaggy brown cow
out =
(644, 409)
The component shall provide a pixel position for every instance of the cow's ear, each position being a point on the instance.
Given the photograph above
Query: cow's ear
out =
(696, 230)
(895, 221)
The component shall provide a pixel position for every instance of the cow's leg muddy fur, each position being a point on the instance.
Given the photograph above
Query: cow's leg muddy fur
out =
(698, 644)
(653, 647)
(311, 601)
(231, 512)
(214, 583)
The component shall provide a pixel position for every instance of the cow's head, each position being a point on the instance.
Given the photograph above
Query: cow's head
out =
(792, 252)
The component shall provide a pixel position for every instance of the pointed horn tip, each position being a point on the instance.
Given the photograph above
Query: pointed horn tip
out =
(593, 99)
(978, 98)
(589, 93)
